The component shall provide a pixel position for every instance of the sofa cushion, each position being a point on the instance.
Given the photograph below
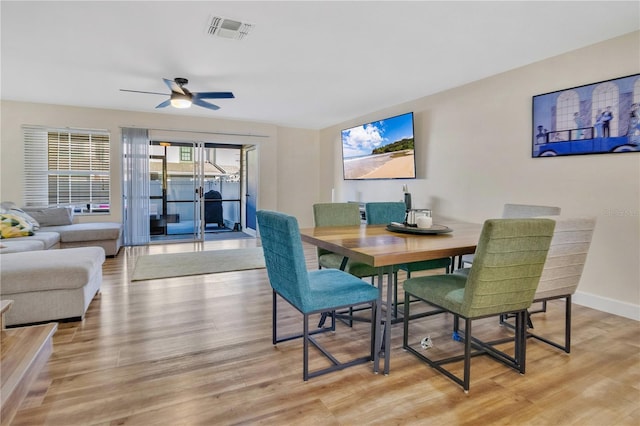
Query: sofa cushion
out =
(51, 270)
(87, 231)
(12, 226)
(51, 240)
(38, 241)
(17, 245)
(51, 216)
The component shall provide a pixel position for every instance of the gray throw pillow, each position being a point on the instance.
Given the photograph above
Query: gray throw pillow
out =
(52, 216)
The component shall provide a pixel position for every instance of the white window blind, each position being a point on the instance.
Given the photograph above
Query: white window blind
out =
(67, 167)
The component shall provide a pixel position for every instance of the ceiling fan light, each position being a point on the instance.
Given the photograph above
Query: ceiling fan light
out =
(179, 100)
(180, 103)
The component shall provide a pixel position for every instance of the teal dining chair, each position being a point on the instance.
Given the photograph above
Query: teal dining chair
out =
(385, 212)
(311, 292)
(503, 279)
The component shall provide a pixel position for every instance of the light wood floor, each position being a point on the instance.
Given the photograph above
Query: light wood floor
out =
(197, 350)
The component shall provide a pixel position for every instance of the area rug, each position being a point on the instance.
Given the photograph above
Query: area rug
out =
(196, 263)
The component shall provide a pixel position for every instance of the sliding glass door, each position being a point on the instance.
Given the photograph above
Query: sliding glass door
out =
(222, 184)
(175, 180)
(194, 190)
(251, 195)
(186, 190)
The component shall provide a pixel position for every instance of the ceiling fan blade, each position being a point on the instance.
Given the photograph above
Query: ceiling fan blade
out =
(164, 104)
(213, 95)
(200, 102)
(173, 86)
(140, 91)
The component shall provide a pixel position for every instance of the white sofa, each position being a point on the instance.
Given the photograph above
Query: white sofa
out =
(56, 272)
(54, 228)
(50, 285)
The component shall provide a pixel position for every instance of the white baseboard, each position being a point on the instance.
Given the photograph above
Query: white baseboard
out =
(616, 307)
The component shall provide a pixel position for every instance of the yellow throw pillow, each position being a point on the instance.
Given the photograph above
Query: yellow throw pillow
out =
(12, 226)
(21, 213)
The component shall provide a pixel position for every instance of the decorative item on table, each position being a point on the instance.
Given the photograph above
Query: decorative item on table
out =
(415, 216)
(407, 197)
(424, 219)
(406, 229)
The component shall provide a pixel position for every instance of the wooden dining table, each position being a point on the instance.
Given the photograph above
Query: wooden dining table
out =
(379, 247)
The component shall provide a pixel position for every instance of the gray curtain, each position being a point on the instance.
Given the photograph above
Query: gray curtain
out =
(135, 191)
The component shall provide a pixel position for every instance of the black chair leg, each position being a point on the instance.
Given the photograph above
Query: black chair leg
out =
(567, 324)
(305, 349)
(395, 295)
(456, 328)
(529, 322)
(467, 353)
(521, 339)
(274, 323)
(405, 338)
(323, 318)
(376, 315)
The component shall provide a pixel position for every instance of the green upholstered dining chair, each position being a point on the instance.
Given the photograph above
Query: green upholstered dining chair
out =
(385, 212)
(341, 214)
(515, 211)
(503, 279)
(311, 292)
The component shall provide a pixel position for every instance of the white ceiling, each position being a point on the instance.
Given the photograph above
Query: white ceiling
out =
(305, 64)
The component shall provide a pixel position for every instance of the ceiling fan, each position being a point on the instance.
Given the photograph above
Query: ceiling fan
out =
(180, 97)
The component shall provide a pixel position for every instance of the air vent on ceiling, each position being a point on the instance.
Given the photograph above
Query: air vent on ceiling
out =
(228, 28)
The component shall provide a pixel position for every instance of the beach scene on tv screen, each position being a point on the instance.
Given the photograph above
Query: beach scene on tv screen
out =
(382, 149)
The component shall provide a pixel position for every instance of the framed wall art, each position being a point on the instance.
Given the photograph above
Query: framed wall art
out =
(597, 118)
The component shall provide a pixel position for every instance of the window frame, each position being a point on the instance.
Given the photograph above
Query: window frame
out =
(186, 154)
(67, 167)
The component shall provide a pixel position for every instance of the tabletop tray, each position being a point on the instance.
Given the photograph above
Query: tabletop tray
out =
(435, 229)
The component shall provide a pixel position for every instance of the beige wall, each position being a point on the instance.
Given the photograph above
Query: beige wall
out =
(473, 148)
(271, 173)
(298, 183)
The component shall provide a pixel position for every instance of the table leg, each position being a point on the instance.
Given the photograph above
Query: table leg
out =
(379, 339)
(386, 341)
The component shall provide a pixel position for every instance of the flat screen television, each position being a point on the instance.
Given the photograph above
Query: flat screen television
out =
(382, 149)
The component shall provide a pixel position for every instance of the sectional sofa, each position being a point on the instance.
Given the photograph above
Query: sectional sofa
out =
(49, 266)
(53, 228)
